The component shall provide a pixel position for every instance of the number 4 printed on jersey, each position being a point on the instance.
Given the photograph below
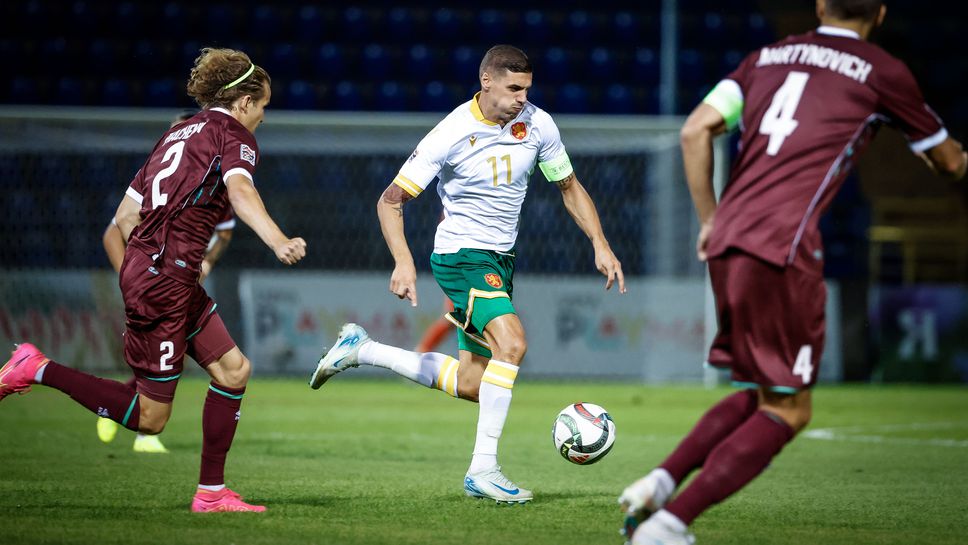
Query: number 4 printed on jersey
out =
(778, 122)
(803, 366)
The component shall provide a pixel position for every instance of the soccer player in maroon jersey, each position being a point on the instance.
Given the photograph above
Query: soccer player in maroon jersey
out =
(114, 246)
(194, 173)
(807, 106)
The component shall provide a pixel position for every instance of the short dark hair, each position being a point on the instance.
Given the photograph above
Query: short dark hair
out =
(504, 57)
(854, 9)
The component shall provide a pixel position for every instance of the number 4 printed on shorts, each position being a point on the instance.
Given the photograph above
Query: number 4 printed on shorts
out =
(804, 366)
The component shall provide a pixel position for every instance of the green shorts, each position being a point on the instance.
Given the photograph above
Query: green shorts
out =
(479, 284)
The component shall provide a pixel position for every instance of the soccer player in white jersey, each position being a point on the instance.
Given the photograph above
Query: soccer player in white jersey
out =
(483, 154)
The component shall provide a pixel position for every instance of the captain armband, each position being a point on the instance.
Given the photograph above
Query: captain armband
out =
(557, 169)
(727, 99)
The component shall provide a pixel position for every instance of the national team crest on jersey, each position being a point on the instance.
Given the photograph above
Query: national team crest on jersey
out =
(247, 154)
(493, 280)
(519, 130)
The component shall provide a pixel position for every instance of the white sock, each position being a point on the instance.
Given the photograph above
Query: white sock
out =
(422, 368)
(670, 521)
(211, 487)
(665, 485)
(495, 399)
(39, 376)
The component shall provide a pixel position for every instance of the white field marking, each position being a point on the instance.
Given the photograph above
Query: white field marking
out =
(851, 434)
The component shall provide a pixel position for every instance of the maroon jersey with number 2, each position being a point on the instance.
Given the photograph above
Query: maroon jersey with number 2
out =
(183, 197)
(809, 105)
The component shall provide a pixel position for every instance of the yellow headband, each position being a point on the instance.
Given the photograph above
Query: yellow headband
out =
(242, 78)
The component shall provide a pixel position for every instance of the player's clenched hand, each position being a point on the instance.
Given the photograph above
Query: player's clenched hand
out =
(403, 282)
(704, 230)
(291, 251)
(608, 264)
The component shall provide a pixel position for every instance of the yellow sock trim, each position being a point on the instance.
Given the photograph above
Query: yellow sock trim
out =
(500, 373)
(447, 379)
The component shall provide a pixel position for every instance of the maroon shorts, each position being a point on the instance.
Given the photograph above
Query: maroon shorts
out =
(771, 322)
(166, 319)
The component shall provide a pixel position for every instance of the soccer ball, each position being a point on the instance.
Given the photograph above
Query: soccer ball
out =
(583, 433)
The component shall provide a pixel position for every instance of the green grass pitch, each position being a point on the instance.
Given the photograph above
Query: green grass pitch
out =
(365, 461)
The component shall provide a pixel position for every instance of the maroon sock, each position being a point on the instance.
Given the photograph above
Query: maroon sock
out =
(713, 427)
(220, 417)
(736, 461)
(107, 398)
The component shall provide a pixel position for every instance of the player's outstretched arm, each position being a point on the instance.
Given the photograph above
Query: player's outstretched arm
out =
(947, 159)
(113, 246)
(403, 280)
(579, 204)
(696, 138)
(248, 206)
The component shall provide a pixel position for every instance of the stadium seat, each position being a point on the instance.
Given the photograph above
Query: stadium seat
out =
(286, 61)
(617, 99)
(625, 28)
(116, 92)
(421, 62)
(129, 18)
(354, 25)
(691, 69)
(309, 25)
(161, 93)
(645, 66)
(492, 27)
(465, 63)
(70, 91)
(300, 95)
(445, 24)
(391, 96)
(23, 90)
(376, 62)
(579, 26)
(572, 99)
(329, 60)
(223, 21)
(347, 96)
(535, 27)
(265, 23)
(434, 97)
(555, 69)
(600, 65)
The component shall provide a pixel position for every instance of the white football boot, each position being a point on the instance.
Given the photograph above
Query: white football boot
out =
(644, 497)
(660, 531)
(343, 355)
(492, 484)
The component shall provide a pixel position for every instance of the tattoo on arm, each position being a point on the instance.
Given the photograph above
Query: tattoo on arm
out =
(566, 183)
(395, 196)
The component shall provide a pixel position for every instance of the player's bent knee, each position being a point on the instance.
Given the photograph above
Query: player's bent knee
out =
(511, 350)
(238, 376)
(231, 370)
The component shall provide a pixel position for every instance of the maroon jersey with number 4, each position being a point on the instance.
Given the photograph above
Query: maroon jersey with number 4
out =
(182, 190)
(810, 105)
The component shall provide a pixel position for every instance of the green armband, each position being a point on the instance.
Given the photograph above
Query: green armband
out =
(557, 169)
(727, 99)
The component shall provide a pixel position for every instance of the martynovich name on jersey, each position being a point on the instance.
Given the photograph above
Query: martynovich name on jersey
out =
(849, 65)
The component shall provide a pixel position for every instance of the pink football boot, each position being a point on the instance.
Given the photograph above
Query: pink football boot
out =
(224, 500)
(18, 373)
